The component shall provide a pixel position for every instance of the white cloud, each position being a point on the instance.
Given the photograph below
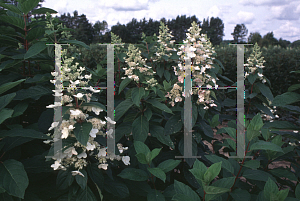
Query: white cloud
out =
(264, 2)
(242, 17)
(214, 12)
(287, 30)
(128, 5)
(286, 12)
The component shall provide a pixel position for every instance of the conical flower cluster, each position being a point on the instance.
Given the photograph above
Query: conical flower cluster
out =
(202, 60)
(165, 45)
(137, 67)
(255, 63)
(75, 156)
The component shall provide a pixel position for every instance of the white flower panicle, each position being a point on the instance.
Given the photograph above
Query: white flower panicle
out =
(201, 52)
(70, 157)
(255, 63)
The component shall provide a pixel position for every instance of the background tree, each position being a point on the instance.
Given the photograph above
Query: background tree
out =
(284, 43)
(295, 44)
(84, 30)
(100, 28)
(269, 39)
(239, 33)
(255, 37)
(122, 31)
(214, 30)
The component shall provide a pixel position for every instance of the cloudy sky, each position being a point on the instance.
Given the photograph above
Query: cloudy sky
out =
(280, 16)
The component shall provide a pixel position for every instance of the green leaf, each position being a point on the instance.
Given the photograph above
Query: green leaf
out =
(158, 173)
(39, 78)
(82, 132)
(21, 132)
(124, 83)
(142, 158)
(206, 129)
(257, 175)
(148, 114)
(2, 190)
(140, 128)
(212, 172)
(264, 109)
(281, 195)
(122, 108)
(35, 49)
(86, 195)
(20, 109)
(173, 125)
(239, 194)
(224, 182)
(5, 64)
(136, 95)
(215, 190)
(282, 172)
(251, 78)
(64, 179)
(81, 181)
(7, 86)
(286, 99)
(215, 121)
(167, 85)
(256, 123)
(198, 170)
(168, 165)
(116, 188)
(5, 114)
(134, 174)
(186, 191)
(253, 164)
(43, 11)
(281, 125)
(155, 195)
(225, 163)
(140, 147)
(5, 100)
(16, 21)
(297, 191)
(263, 145)
(34, 92)
(270, 187)
(13, 178)
(159, 70)
(294, 87)
(35, 33)
(154, 153)
(28, 6)
(96, 175)
(75, 42)
(121, 130)
(167, 75)
(251, 134)
(230, 131)
(159, 105)
(265, 91)
(158, 132)
(12, 8)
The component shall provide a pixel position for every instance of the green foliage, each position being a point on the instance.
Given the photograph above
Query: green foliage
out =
(145, 122)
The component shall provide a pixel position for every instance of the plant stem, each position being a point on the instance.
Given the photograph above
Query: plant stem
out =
(239, 170)
(152, 179)
(204, 196)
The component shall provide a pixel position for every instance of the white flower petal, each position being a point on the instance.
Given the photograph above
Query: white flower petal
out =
(126, 160)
